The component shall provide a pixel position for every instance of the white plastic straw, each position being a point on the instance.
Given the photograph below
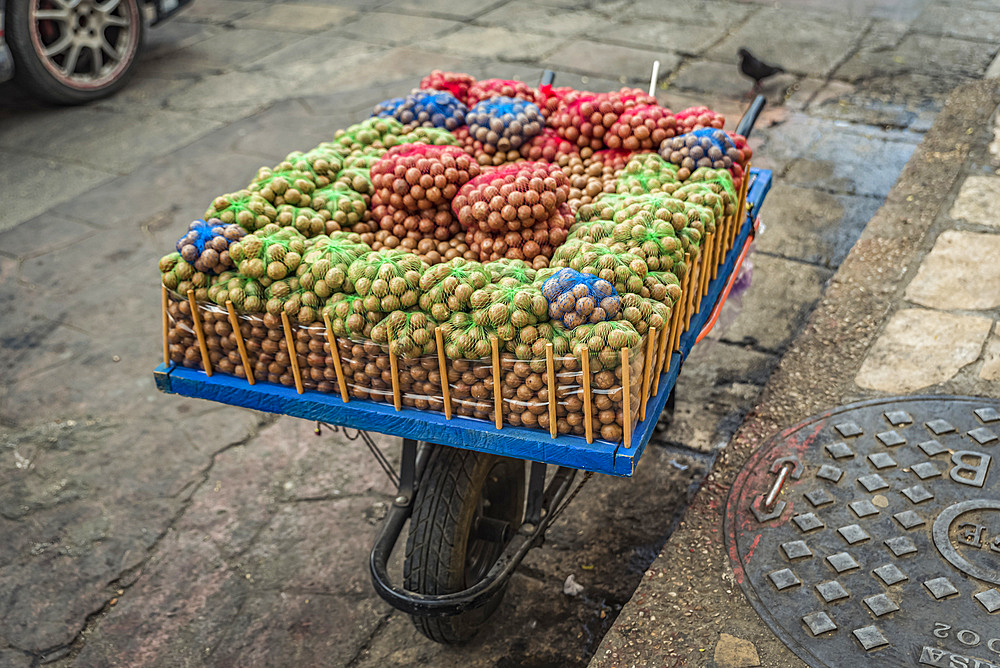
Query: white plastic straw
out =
(652, 79)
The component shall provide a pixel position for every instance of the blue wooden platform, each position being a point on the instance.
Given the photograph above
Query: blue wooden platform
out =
(531, 444)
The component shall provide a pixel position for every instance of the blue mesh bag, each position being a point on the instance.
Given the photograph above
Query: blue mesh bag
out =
(505, 122)
(427, 108)
(576, 299)
(206, 245)
(706, 147)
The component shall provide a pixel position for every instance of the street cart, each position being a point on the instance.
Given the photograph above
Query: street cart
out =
(482, 474)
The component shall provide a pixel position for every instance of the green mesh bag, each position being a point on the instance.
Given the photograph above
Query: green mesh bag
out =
(653, 241)
(412, 334)
(270, 254)
(179, 276)
(643, 313)
(664, 286)
(327, 260)
(605, 341)
(307, 221)
(447, 287)
(322, 162)
(349, 319)
(345, 207)
(624, 271)
(378, 134)
(720, 182)
(510, 272)
(646, 173)
(246, 294)
(288, 295)
(435, 136)
(387, 280)
(593, 231)
(248, 210)
(508, 308)
(358, 179)
(283, 187)
(464, 339)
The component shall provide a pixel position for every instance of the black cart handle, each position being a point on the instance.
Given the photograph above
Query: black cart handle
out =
(750, 117)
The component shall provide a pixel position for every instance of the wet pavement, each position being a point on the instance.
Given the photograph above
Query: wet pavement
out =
(139, 529)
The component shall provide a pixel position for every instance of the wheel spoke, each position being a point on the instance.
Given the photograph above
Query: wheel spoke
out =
(108, 6)
(115, 20)
(69, 67)
(107, 48)
(58, 46)
(96, 60)
(52, 14)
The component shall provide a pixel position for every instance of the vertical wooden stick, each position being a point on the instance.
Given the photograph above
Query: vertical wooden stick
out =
(647, 370)
(335, 354)
(588, 419)
(293, 355)
(497, 397)
(393, 368)
(626, 399)
(706, 268)
(196, 319)
(166, 328)
(741, 208)
(550, 366)
(234, 321)
(692, 296)
(443, 370)
(658, 366)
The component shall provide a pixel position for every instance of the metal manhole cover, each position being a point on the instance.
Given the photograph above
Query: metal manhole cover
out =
(882, 547)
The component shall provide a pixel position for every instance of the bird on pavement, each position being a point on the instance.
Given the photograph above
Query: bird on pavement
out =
(756, 69)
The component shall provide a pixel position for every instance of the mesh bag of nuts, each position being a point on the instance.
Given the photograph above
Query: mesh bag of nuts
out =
(466, 339)
(419, 177)
(430, 108)
(322, 162)
(664, 286)
(346, 207)
(548, 147)
(504, 123)
(643, 313)
(706, 147)
(269, 254)
(349, 318)
(448, 287)
(406, 334)
(283, 187)
(536, 243)
(306, 220)
(624, 271)
(387, 280)
(326, 262)
(487, 156)
(643, 127)
(508, 309)
(551, 99)
(575, 298)
(206, 244)
(373, 134)
(588, 119)
(456, 83)
(179, 276)
(246, 294)
(290, 296)
(508, 272)
(646, 173)
(695, 118)
(511, 198)
(248, 210)
(424, 135)
(487, 88)
(719, 182)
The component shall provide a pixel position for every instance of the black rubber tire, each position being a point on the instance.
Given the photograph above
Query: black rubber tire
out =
(32, 75)
(456, 486)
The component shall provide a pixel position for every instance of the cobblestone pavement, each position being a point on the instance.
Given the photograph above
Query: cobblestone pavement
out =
(139, 529)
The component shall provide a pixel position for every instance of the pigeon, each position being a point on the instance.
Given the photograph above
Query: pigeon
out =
(756, 69)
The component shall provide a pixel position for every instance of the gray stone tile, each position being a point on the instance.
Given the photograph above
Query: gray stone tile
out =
(810, 44)
(963, 22)
(908, 356)
(299, 17)
(782, 293)
(526, 15)
(383, 27)
(222, 52)
(612, 62)
(721, 15)
(977, 199)
(173, 36)
(493, 42)
(24, 177)
(218, 11)
(42, 234)
(947, 279)
(648, 33)
(709, 77)
(897, 10)
(811, 225)
(950, 60)
(461, 10)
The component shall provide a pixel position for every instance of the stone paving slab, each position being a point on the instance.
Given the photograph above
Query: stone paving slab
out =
(523, 14)
(967, 23)
(632, 65)
(385, 27)
(722, 15)
(977, 200)
(660, 35)
(300, 17)
(950, 278)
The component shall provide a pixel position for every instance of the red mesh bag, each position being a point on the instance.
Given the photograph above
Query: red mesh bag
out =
(695, 118)
(456, 83)
(511, 198)
(588, 118)
(484, 154)
(740, 160)
(534, 244)
(420, 177)
(548, 147)
(612, 157)
(438, 223)
(643, 127)
(550, 100)
(488, 88)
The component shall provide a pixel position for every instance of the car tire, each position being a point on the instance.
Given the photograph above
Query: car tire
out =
(73, 54)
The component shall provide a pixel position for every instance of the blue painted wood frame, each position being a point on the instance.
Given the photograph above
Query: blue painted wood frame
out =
(460, 432)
